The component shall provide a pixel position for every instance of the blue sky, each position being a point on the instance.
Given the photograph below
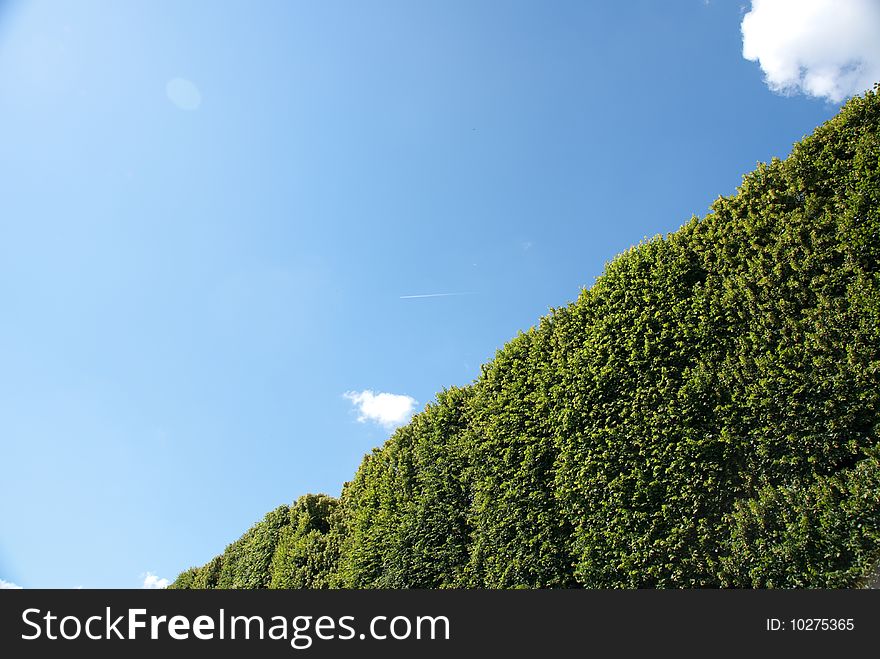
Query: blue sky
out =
(217, 220)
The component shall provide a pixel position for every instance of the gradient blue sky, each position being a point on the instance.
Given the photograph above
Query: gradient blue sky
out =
(210, 212)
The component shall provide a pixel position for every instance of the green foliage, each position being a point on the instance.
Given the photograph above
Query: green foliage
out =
(405, 514)
(209, 574)
(245, 563)
(203, 577)
(305, 556)
(825, 534)
(521, 535)
(185, 579)
(705, 415)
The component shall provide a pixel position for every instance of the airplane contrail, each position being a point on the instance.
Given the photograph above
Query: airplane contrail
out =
(411, 297)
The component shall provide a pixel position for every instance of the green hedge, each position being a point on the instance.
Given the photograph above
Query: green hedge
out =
(821, 534)
(305, 554)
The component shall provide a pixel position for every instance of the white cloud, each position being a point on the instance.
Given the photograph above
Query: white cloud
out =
(390, 410)
(151, 581)
(824, 48)
(8, 585)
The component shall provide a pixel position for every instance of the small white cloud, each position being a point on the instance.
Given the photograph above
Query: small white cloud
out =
(8, 585)
(824, 48)
(183, 93)
(151, 581)
(389, 410)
